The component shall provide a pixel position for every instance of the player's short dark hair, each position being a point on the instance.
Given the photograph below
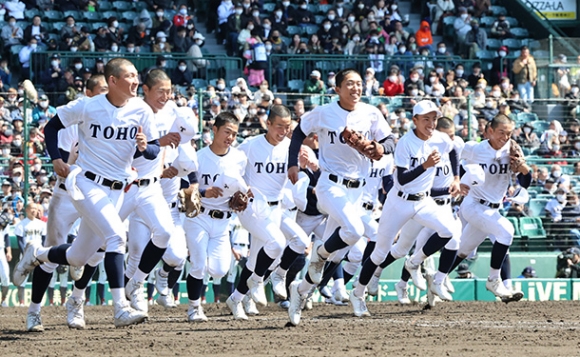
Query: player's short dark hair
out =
(113, 67)
(341, 75)
(94, 80)
(278, 110)
(224, 118)
(154, 77)
(444, 123)
(500, 119)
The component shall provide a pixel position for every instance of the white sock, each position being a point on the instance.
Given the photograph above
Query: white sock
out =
(163, 273)
(195, 303)
(338, 285)
(418, 257)
(359, 291)
(493, 274)
(256, 278)
(34, 307)
(118, 295)
(42, 254)
(439, 277)
(322, 252)
(78, 293)
(304, 287)
(403, 284)
(378, 272)
(237, 296)
(508, 284)
(139, 276)
(280, 271)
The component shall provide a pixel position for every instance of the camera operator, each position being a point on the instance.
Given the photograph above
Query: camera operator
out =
(568, 263)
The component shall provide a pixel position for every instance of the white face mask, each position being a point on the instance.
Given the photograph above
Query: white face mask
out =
(44, 180)
(356, 39)
(505, 85)
(266, 26)
(5, 152)
(115, 24)
(160, 14)
(286, 3)
(432, 79)
(33, 46)
(556, 174)
(255, 13)
(182, 68)
(459, 72)
(162, 39)
(439, 70)
(250, 27)
(239, 12)
(17, 179)
(463, 16)
(43, 104)
(114, 48)
(414, 79)
(370, 18)
(221, 86)
(253, 112)
(304, 7)
(577, 146)
(73, 49)
(394, 7)
(199, 42)
(183, 11)
(54, 63)
(527, 130)
(130, 49)
(361, 6)
(327, 27)
(268, 47)
(279, 13)
(37, 167)
(78, 66)
(351, 19)
(561, 198)
(575, 90)
(556, 148)
(414, 92)
(393, 78)
(331, 17)
(502, 53)
(402, 49)
(436, 93)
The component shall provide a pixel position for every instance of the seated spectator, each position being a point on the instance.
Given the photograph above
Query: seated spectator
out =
(528, 273)
(475, 40)
(161, 45)
(301, 15)
(158, 18)
(376, 59)
(445, 8)
(527, 137)
(400, 33)
(15, 9)
(181, 76)
(70, 28)
(104, 40)
(355, 46)
(501, 28)
(43, 110)
(555, 206)
(392, 85)
(116, 32)
(181, 18)
(138, 35)
(16, 150)
(36, 143)
(12, 34)
(315, 85)
(315, 46)
(516, 104)
(442, 55)
(572, 101)
(371, 84)
(264, 91)
(423, 36)
(24, 57)
(278, 20)
(462, 25)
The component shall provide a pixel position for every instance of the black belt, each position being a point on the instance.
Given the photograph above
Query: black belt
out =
(144, 182)
(489, 204)
(240, 244)
(442, 201)
(217, 214)
(173, 204)
(414, 197)
(112, 184)
(273, 203)
(368, 206)
(347, 183)
(62, 186)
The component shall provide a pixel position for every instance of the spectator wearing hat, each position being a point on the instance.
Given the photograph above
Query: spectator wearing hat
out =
(35, 29)
(99, 66)
(424, 37)
(103, 40)
(463, 272)
(197, 64)
(11, 34)
(475, 39)
(161, 45)
(501, 66)
(315, 85)
(85, 41)
(555, 205)
(462, 25)
(5, 134)
(42, 110)
(501, 28)
(181, 76)
(214, 110)
(137, 35)
(6, 190)
(569, 264)
(528, 273)
(527, 137)
(11, 102)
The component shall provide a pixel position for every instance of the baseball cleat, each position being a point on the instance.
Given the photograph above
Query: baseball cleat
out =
(257, 292)
(373, 286)
(402, 294)
(249, 306)
(440, 291)
(75, 314)
(196, 314)
(237, 309)
(359, 306)
(134, 291)
(76, 272)
(316, 266)
(25, 265)
(34, 322)
(166, 301)
(415, 271)
(278, 285)
(340, 294)
(325, 292)
(516, 296)
(307, 304)
(284, 304)
(497, 288)
(161, 282)
(448, 285)
(125, 315)
(296, 301)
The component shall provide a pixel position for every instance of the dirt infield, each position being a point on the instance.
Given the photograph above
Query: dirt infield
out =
(450, 329)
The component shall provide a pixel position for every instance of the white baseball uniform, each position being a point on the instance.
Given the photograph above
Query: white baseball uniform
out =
(30, 231)
(402, 204)
(207, 234)
(240, 240)
(4, 269)
(344, 169)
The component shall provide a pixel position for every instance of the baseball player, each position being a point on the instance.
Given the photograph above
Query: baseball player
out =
(416, 157)
(5, 256)
(112, 129)
(208, 238)
(240, 240)
(413, 231)
(266, 175)
(344, 170)
(480, 207)
(61, 209)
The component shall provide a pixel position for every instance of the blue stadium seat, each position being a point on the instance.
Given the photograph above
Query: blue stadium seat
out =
(540, 126)
(91, 16)
(512, 43)
(29, 14)
(311, 29)
(512, 21)
(485, 55)
(53, 15)
(526, 118)
(536, 207)
(323, 9)
(128, 16)
(487, 21)
(123, 5)
(76, 14)
(105, 6)
(292, 30)
(497, 10)
(269, 7)
(520, 32)
(107, 14)
(493, 43)
(199, 83)
(541, 54)
(296, 85)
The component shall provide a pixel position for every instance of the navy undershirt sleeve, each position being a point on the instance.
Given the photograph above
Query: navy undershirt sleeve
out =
(150, 153)
(51, 137)
(388, 183)
(454, 160)
(298, 137)
(192, 177)
(525, 180)
(439, 191)
(405, 176)
(388, 144)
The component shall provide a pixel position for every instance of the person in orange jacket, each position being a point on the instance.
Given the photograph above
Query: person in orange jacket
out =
(423, 36)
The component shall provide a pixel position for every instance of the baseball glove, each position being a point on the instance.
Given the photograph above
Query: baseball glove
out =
(358, 142)
(516, 156)
(191, 201)
(238, 202)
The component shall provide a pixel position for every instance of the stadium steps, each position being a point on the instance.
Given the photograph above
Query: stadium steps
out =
(211, 45)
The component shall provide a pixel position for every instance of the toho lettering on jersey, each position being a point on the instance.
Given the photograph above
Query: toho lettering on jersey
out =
(98, 124)
(335, 156)
(379, 169)
(495, 165)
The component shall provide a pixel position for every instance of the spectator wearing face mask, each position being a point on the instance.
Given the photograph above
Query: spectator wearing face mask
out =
(198, 64)
(302, 15)
(527, 138)
(555, 206)
(11, 34)
(24, 57)
(161, 45)
(181, 18)
(43, 109)
(475, 40)
(278, 21)
(393, 86)
(573, 102)
(462, 25)
(181, 76)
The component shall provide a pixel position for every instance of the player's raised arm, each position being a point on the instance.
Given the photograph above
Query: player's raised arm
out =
(298, 137)
(51, 138)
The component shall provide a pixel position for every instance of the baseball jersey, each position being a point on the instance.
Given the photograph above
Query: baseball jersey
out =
(328, 121)
(211, 166)
(412, 152)
(162, 122)
(495, 165)
(68, 138)
(30, 230)
(266, 169)
(374, 181)
(107, 133)
(443, 171)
